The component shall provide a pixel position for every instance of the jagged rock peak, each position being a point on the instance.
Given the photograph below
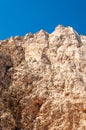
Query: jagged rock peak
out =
(28, 35)
(41, 34)
(65, 35)
(61, 30)
(65, 30)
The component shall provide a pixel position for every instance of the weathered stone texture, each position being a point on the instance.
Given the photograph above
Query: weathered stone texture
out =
(43, 81)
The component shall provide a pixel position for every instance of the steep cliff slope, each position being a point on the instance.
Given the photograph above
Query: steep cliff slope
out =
(43, 81)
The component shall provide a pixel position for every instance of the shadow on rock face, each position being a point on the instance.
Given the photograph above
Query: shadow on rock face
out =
(5, 70)
(11, 56)
(5, 81)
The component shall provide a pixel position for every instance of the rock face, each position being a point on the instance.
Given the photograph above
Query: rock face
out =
(43, 81)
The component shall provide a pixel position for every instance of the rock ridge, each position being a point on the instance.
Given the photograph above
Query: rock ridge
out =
(43, 81)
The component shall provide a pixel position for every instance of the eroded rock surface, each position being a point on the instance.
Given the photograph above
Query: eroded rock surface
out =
(43, 81)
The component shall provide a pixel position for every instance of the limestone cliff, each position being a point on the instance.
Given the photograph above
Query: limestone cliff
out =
(43, 81)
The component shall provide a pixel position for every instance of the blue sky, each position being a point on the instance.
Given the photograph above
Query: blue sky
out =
(18, 17)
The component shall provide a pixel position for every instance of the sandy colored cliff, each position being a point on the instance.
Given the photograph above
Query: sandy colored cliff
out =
(43, 81)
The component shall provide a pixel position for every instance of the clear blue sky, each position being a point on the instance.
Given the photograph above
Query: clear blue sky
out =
(18, 17)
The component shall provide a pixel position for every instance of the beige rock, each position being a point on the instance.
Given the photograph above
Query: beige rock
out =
(43, 81)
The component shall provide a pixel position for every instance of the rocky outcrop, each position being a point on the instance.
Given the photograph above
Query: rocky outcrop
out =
(43, 81)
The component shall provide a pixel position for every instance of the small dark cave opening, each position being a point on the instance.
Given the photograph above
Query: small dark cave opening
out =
(7, 68)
